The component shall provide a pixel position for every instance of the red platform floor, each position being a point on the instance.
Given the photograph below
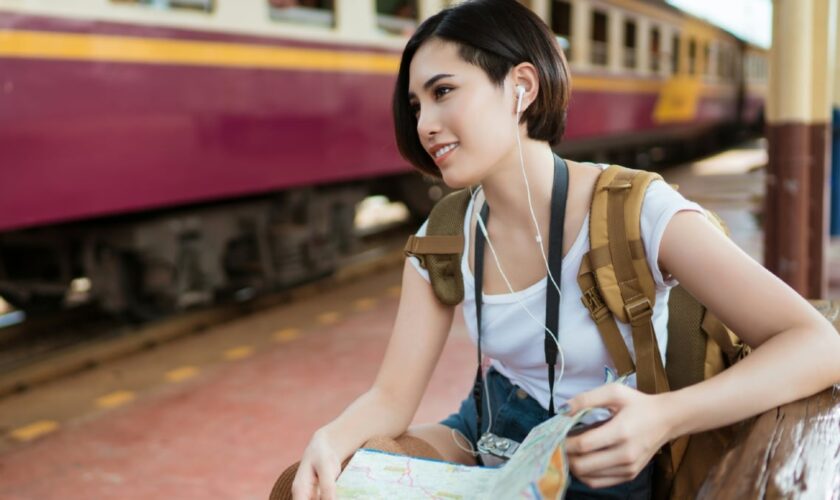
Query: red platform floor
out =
(259, 390)
(229, 432)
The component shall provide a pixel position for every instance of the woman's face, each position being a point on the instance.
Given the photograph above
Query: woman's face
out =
(464, 121)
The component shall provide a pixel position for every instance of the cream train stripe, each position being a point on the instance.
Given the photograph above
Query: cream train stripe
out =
(162, 51)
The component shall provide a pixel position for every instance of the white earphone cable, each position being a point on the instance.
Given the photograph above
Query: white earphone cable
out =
(531, 205)
(539, 239)
(542, 325)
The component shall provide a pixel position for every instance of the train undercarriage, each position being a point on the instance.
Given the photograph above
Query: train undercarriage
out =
(142, 266)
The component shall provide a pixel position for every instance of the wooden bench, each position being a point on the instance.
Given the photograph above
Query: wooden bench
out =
(792, 451)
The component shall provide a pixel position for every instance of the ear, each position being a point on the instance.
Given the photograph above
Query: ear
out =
(525, 74)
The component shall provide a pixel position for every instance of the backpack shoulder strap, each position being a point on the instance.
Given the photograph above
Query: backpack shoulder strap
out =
(617, 253)
(441, 248)
(617, 266)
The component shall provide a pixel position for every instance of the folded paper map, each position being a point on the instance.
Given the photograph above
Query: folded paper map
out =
(537, 470)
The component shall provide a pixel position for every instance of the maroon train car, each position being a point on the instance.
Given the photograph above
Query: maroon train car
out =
(164, 151)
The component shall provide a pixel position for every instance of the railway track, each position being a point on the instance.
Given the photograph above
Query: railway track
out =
(50, 347)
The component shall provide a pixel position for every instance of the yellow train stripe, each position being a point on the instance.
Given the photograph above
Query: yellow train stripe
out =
(182, 373)
(617, 84)
(113, 48)
(286, 335)
(34, 44)
(34, 430)
(114, 399)
(240, 352)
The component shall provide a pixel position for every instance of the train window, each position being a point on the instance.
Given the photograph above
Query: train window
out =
(561, 23)
(398, 17)
(707, 58)
(599, 38)
(629, 44)
(198, 5)
(675, 55)
(655, 50)
(692, 56)
(313, 12)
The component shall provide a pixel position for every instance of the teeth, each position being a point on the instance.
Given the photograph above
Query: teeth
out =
(442, 151)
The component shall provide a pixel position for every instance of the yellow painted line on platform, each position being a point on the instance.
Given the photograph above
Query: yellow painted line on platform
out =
(394, 291)
(287, 335)
(182, 373)
(329, 318)
(240, 352)
(34, 430)
(114, 399)
(365, 304)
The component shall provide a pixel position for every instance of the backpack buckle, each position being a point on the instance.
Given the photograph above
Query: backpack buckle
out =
(638, 308)
(593, 301)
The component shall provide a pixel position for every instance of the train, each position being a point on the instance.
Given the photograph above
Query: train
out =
(158, 154)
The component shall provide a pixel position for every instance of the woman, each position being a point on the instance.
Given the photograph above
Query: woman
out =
(462, 77)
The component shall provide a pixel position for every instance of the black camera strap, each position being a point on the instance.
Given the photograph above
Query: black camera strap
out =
(559, 194)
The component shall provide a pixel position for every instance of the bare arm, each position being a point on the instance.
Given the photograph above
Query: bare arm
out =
(797, 351)
(420, 331)
(796, 354)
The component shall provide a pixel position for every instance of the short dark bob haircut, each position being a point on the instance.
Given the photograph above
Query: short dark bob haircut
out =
(494, 35)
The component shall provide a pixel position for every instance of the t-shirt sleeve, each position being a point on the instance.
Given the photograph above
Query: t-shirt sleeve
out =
(415, 262)
(661, 203)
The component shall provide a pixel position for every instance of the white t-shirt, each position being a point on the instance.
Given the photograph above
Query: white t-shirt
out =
(514, 341)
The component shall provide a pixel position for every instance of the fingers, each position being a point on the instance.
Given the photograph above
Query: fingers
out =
(605, 482)
(313, 483)
(605, 468)
(612, 396)
(327, 475)
(608, 462)
(304, 486)
(609, 435)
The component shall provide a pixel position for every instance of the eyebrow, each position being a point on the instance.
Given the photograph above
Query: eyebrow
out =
(431, 81)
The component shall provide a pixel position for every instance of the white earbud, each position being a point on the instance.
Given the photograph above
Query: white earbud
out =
(520, 92)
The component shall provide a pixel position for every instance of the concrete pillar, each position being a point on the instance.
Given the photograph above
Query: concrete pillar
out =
(615, 41)
(798, 110)
(581, 33)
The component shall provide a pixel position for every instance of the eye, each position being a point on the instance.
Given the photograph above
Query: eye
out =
(415, 108)
(442, 91)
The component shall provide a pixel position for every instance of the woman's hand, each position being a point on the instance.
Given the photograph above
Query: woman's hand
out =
(318, 470)
(617, 451)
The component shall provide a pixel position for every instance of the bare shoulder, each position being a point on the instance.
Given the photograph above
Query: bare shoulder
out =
(582, 179)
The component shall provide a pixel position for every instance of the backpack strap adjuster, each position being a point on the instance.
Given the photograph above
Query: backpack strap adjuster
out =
(638, 308)
(597, 308)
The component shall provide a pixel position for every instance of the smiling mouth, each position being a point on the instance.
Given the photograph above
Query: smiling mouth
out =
(444, 151)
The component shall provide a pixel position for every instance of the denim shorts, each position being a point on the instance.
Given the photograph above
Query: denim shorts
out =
(515, 413)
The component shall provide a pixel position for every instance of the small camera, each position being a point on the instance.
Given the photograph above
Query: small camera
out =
(495, 450)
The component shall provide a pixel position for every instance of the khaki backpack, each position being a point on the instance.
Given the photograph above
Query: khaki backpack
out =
(617, 285)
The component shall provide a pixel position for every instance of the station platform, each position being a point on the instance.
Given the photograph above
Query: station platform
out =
(220, 414)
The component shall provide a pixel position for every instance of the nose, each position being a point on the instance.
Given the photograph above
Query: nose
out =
(428, 124)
